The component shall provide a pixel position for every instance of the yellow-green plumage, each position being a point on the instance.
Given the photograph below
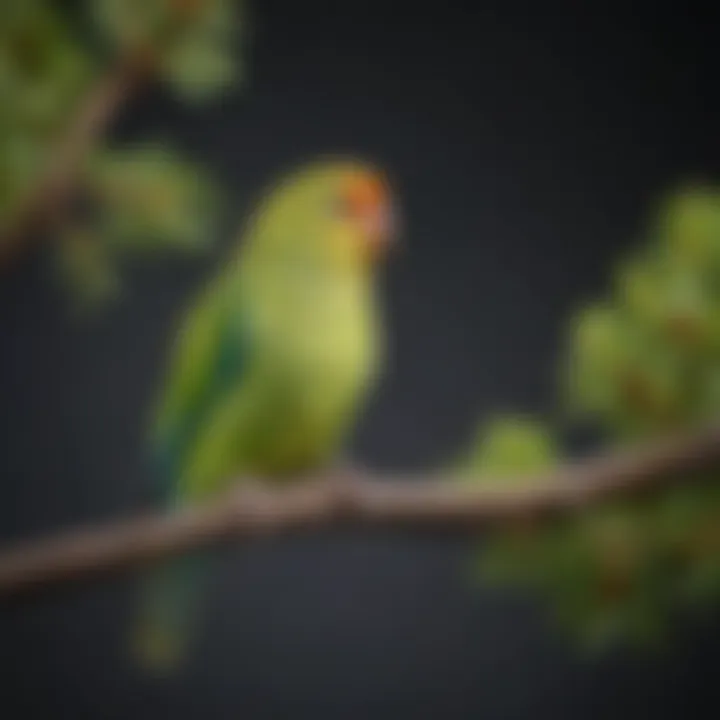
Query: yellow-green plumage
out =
(270, 369)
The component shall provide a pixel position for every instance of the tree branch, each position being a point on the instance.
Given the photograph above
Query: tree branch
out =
(414, 502)
(57, 183)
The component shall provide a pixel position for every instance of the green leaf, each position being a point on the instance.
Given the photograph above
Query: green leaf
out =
(43, 69)
(130, 23)
(21, 157)
(511, 447)
(199, 69)
(86, 269)
(688, 226)
(205, 61)
(149, 199)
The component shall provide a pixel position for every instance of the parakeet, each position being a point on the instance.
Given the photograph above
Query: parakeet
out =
(272, 364)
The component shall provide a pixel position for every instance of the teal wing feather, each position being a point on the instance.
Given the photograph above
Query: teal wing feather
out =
(211, 355)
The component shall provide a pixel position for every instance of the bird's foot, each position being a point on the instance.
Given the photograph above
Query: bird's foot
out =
(344, 480)
(345, 473)
(254, 502)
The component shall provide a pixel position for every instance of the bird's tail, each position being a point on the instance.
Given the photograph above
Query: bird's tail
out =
(163, 628)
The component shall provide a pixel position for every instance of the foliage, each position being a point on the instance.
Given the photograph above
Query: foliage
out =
(134, 199)
(194, 40)
(42, 74)
(643, 360)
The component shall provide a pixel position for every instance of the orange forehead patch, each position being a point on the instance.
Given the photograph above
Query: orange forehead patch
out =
(365, 192)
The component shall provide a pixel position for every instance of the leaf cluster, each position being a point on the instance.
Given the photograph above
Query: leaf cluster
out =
(643, 360)
(134, 201)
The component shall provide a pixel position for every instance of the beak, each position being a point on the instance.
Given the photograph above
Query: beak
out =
(382, 233)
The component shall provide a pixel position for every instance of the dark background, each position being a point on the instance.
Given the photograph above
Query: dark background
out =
(527, 142)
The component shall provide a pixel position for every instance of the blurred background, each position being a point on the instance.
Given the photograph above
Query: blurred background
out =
(527, 145)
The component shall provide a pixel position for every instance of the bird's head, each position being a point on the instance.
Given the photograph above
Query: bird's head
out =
(336, 213)
(363, 217)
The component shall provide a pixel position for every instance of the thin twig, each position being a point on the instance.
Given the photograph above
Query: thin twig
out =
(424, 502)
(54, 189)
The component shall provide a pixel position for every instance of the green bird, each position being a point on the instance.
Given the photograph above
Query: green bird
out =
(271, 366)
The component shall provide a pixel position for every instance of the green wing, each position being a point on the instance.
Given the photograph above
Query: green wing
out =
(210, 357)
